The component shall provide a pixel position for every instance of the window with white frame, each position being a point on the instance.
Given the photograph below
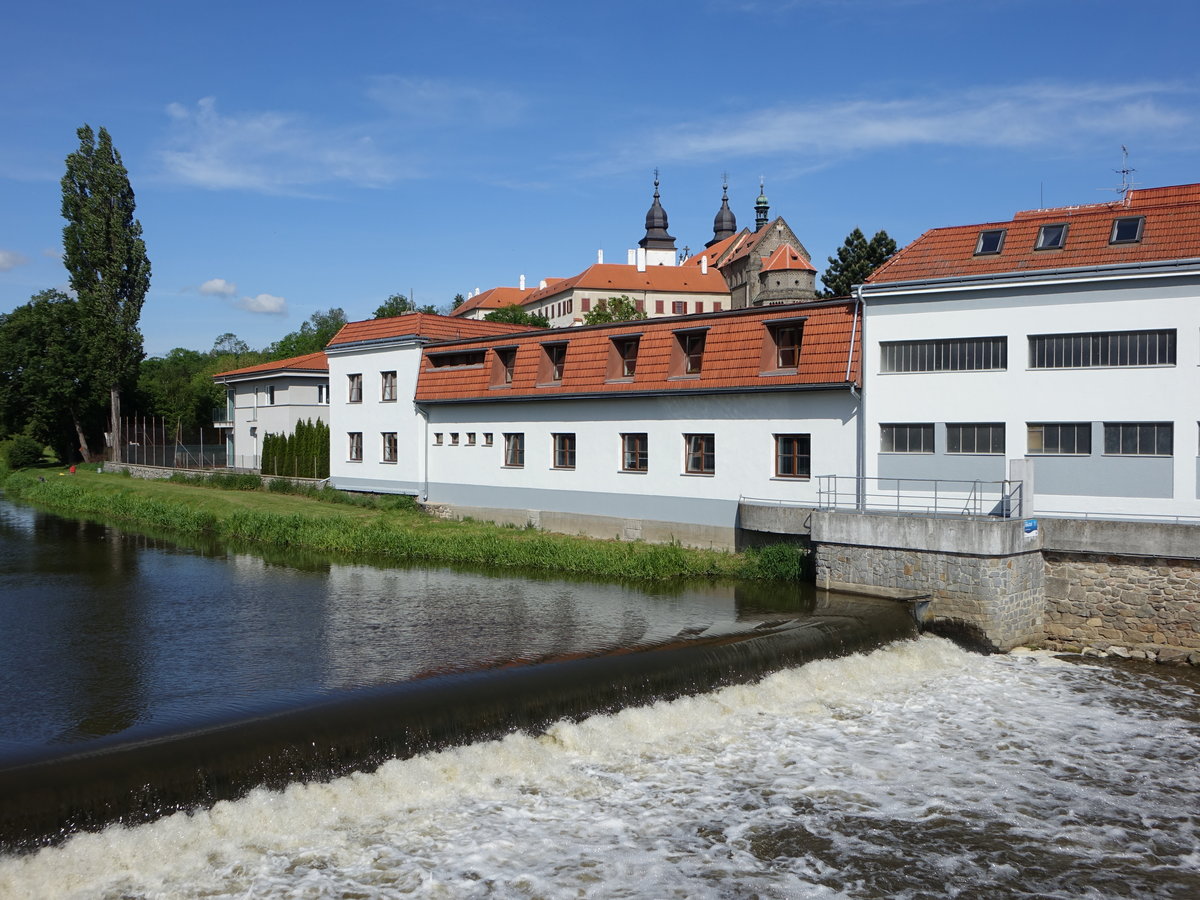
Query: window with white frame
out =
(975, 437)
(700, 454)
(322, 393)
(1059, 438)
(906, 438)
(354, 388)
(387, 386)
(391, 447)
(354, 448)
(1139, 438)
(1102, 349)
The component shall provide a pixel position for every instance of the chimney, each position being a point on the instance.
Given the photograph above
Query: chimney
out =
(600, 257)
(704, 265)
(522, 282)
(641, 259)
(629, 259)
(542, 284)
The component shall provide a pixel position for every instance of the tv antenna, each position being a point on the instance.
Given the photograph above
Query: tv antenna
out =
(1127, 183)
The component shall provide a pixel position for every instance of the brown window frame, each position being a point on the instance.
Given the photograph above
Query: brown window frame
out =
(799, 456)
(354, 449)
(391, 449)
(354, 388)
(564, 447)
(388, 390)
(635, 452)
(514, 450)
(700, 454)
(554, 362)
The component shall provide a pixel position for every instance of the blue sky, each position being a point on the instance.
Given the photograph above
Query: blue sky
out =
(289, 157)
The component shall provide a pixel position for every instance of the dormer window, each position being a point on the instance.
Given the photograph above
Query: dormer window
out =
(1052, 237)
(503, 367)
(688, 357)
(781, 346)
(554, 358)
(990, 242)
(622, 356)
(1127, 230)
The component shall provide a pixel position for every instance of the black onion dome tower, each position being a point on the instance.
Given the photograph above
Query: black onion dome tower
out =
(656, 226)
(724, 223)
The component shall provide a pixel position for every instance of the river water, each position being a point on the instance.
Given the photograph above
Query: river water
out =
(915, 770)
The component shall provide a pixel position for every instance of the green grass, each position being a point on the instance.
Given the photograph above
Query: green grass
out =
(379, 527)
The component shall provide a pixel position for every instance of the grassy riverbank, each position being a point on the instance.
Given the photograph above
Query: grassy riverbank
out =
(388, 528)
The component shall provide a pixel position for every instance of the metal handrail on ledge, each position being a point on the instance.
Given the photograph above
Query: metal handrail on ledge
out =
(921, 496)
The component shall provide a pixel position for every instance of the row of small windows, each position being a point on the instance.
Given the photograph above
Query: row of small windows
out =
(1042, 438)
(1046, 351)
(387, 387)
(781, 353)
(322, 394)
(1125, 230)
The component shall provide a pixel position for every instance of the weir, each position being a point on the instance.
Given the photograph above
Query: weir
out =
(131, 779)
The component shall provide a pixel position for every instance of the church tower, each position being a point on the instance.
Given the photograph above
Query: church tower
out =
(761, 208)
(724, 224)
(657, 247)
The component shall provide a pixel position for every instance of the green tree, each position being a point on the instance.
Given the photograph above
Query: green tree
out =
(229, 344)
(515, 315)
(614, 309)
(458, 301)
(856, 259)
(109, 271)
(44, 390)
(311, 337)
(398, 305)
(179, 387)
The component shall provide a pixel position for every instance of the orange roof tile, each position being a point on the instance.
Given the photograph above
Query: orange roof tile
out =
(309, 362)
(787, 257)
(717, 250)
(619, 279)
(734, 352)
(1171, 231)
(493, 298)
(426, 326)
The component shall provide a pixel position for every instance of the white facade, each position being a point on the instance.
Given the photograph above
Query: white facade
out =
(1152, 404)
(262, 403)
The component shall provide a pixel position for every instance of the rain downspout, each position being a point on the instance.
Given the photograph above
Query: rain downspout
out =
(860, 450)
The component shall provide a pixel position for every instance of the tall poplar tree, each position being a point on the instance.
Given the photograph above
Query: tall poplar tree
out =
(109, 271)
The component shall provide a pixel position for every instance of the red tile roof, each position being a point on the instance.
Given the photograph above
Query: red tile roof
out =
(427, 326)
(717, 250)
(493, 298)
(617, 279)
(1171, 231)
(735, 347)
(787, 257)
(309, 362)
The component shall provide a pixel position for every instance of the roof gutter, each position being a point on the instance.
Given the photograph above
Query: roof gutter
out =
(1122, 272)
(621, 395)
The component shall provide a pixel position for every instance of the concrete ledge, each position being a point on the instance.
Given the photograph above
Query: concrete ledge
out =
(1152, 539)
(975, 537)
(774, 519)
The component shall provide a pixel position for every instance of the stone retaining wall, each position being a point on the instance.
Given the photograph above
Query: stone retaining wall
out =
(1147, 607)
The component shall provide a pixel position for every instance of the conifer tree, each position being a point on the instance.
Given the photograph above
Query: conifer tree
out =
(109, 271)
(856, 259)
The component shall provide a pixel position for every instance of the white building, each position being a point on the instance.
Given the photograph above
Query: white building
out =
(1066, 341)
(270, 398)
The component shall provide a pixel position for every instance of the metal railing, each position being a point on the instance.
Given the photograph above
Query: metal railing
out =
(921, 496)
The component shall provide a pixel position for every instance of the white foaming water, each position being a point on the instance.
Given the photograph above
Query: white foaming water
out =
(919, 770)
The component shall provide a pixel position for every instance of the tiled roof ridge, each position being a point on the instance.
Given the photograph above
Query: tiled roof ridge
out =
(421, 325)
(783, 257)
(311, 362)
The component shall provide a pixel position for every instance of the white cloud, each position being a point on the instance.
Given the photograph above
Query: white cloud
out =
(270, 152)
(218, 287)
(10, 259)
(266, 304)
(431, 101)
(1038, 114)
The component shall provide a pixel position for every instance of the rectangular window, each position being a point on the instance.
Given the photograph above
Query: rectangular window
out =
(454, 439)
(985, 354)
(390, 447)
(514, 450)
(1139, 438)
(1060, 438)
(701, 454)
(354, 388)
(585, 304)
(487, 439)
(1102, 348)
(470, 439)
(270, 395)
(355, 446)
(783, 351)
(906, 438)
(564, 451)
(688, 358)
(437, 439)
(985, 438)
(679, 307)
(461, 359)
(388, 385)
(1051, 237)
(1127, 230)
(553, 363)
(503, 366)
(623, 358)
(990, 242)
(635, 452)
(322, 393)
(792, 458)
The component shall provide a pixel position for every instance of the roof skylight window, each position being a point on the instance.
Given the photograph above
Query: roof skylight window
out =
(990, 242)
(1051, 237)
(1127, 230)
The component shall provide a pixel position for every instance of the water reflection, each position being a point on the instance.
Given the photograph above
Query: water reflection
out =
(108, 631)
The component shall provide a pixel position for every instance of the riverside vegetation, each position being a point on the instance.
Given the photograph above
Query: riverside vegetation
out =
(240, 508)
